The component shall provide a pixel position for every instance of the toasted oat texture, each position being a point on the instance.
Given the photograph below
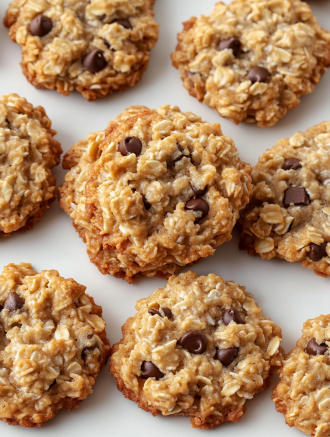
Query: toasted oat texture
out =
(196, 385)
(303, 394)
(55, 60)
(131, 210)
(281, 36)
(269, 229)
(52, 346)
(28, 152)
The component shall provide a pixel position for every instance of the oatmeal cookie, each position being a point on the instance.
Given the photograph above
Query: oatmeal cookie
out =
(156, 191)
(251, 60)
(28, 152)
(303, 393)
(199, 347)
(52, 345)
(289, 214)
(93, 46)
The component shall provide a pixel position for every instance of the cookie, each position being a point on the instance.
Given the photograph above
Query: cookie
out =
(95, 47)
(156, 191)
(28, 152)
(252, 60)
(289, 213)
(199, 347)
(303, 394)
(52, 345)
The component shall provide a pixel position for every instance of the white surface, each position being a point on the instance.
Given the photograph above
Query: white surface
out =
(288, 293)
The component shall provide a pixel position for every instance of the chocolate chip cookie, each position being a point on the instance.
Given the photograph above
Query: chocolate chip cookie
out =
(303, 394)
(289, 213)
(199, 347)
(95, 47)
(156, 191)
(28, 152)
(52, 345)
(252, 60)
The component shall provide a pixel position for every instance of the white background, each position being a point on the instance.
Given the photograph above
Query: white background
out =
(288, 293)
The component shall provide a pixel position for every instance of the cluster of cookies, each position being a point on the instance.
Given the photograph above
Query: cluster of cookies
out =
(157, 190)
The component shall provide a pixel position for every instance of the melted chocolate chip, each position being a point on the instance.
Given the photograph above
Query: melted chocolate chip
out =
(198, 204)
(199, 192)
(258, 74)
(130, 145)
(295, 195)
(168, 313)
(94, 61)
(226, 356)
(146, 204)
(313, 348)
(317, 251)
(231, 43)
(149, 370)
(291, 164)
(154, 312)
(13, 302)
(232, 315)
(194, 341)
(124, 23)
(40, 25)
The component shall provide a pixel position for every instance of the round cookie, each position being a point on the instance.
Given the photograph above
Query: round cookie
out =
(93, 46)
(303, 393)
(28, 152)
(52, 345)
(199, 347)
(158, 190)
(245, 59)
(289, 213)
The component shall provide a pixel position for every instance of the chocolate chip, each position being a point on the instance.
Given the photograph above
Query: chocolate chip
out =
(198, 204)
(86, 351)
(226, 356)
(149, 370)
(194, 341)
(146, 204)
(291, 164)
(317, 251)
(313, 348)
(167, 312)
(183, 155)
(199, 192)
(13, 302)
(232, 315)
(40, 25)
(231, 43)
(124, 23)
(258, 74)
(154, 312)
(130, 145)
(295, 195)
(94, 61)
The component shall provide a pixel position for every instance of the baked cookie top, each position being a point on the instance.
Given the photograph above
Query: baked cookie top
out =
(289, 213)
(303, 394)
(156, 191)
(93, 46)
(251, 60)
(52, 344)
(28, 152)
(199, 347)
